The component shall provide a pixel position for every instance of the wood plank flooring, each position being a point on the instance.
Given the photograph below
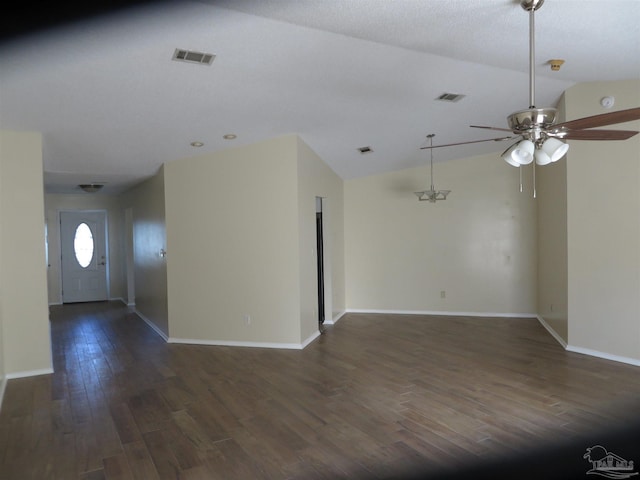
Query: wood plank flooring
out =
(376, 396)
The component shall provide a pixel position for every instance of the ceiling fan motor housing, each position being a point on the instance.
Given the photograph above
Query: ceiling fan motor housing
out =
(532, 121)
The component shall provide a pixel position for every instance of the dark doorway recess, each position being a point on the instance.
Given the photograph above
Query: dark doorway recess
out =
(319, 246)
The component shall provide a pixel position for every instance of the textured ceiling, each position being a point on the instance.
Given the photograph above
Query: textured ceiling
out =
(113, 106)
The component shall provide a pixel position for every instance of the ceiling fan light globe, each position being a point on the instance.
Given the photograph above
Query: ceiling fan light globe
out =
(507, 155)
(523, 153)
(542, 158)
(555, 149)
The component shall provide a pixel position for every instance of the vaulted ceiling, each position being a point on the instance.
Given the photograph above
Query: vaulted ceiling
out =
(113, 106)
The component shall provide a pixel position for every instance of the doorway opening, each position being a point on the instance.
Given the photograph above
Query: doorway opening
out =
(83, 249)
(320, 263)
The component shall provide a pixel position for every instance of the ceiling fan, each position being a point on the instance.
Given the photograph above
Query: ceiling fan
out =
(539, 136)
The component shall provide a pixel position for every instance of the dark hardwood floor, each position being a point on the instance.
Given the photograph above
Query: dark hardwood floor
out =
(376, 396)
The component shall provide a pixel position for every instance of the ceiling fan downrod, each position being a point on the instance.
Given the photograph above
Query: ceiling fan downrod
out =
(533, 122)
(531, 6)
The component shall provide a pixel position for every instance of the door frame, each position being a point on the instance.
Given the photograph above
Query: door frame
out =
(323, 205)
(106, 245)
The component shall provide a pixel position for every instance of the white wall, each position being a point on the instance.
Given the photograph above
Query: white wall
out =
(24, 314)
(316, 179)
(54, 204)
(478, 246)
(232, 241)
(147, 206)
(603, 211)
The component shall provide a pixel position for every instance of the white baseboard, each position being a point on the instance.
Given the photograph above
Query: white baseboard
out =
(233, 343)
(153, 326)
(335, 318)
(604, 355)
(553, 333)
(10, 376)
(445, 313)
(587, 351)
(29, 373)
(310, 339)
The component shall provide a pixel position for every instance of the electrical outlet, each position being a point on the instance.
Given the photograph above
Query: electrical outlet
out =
(443, 294)
(247, 319)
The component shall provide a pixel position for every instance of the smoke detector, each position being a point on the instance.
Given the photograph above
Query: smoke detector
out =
(556, 64)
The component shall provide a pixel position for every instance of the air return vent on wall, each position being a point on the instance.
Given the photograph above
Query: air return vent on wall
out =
(193, 57)
(450, 97)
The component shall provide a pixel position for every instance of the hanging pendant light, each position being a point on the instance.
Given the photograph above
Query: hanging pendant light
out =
(432, 195)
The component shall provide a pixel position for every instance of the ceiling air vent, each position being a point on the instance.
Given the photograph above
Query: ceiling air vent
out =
(450, 97)
(193, 57)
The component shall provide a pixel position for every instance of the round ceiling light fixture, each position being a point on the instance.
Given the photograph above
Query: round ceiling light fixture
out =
(197, 144)
(230, 136)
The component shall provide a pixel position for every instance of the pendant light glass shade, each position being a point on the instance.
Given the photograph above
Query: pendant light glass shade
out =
(523, 154)
(555, 149)
(541, 157)
(507, 157)
(520, 153)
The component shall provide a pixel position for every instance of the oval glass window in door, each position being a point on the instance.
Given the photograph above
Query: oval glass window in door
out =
(83, 245)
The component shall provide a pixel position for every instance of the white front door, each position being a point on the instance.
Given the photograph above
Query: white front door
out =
(84, 256)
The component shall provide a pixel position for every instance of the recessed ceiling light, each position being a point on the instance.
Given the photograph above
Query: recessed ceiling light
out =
(230, 136)
(197, 144)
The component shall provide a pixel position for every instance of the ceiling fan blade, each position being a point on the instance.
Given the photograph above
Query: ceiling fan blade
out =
(602, 120)
(490, 128)
(599, 134)
(465, 143)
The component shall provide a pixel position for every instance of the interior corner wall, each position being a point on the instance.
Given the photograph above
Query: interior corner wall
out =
(552, 244)
(26, 337)
(317, 179)
(603, 228)
(472, 253)
(3, 378)
(146, 201)
(232, 246)
(54, 204)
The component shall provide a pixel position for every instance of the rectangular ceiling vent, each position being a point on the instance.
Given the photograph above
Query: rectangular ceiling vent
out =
(193, 57)
(450, 97)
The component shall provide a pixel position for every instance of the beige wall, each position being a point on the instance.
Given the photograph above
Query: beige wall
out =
(3, 380)
(232, 236)
(552, 244)
(26, 347)
(478, 246)
(316, 179)
(603, 212)
(54, 204)
(147, 205)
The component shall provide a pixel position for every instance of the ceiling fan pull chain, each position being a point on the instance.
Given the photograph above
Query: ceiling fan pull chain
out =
(534, 179)
(520, 171)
